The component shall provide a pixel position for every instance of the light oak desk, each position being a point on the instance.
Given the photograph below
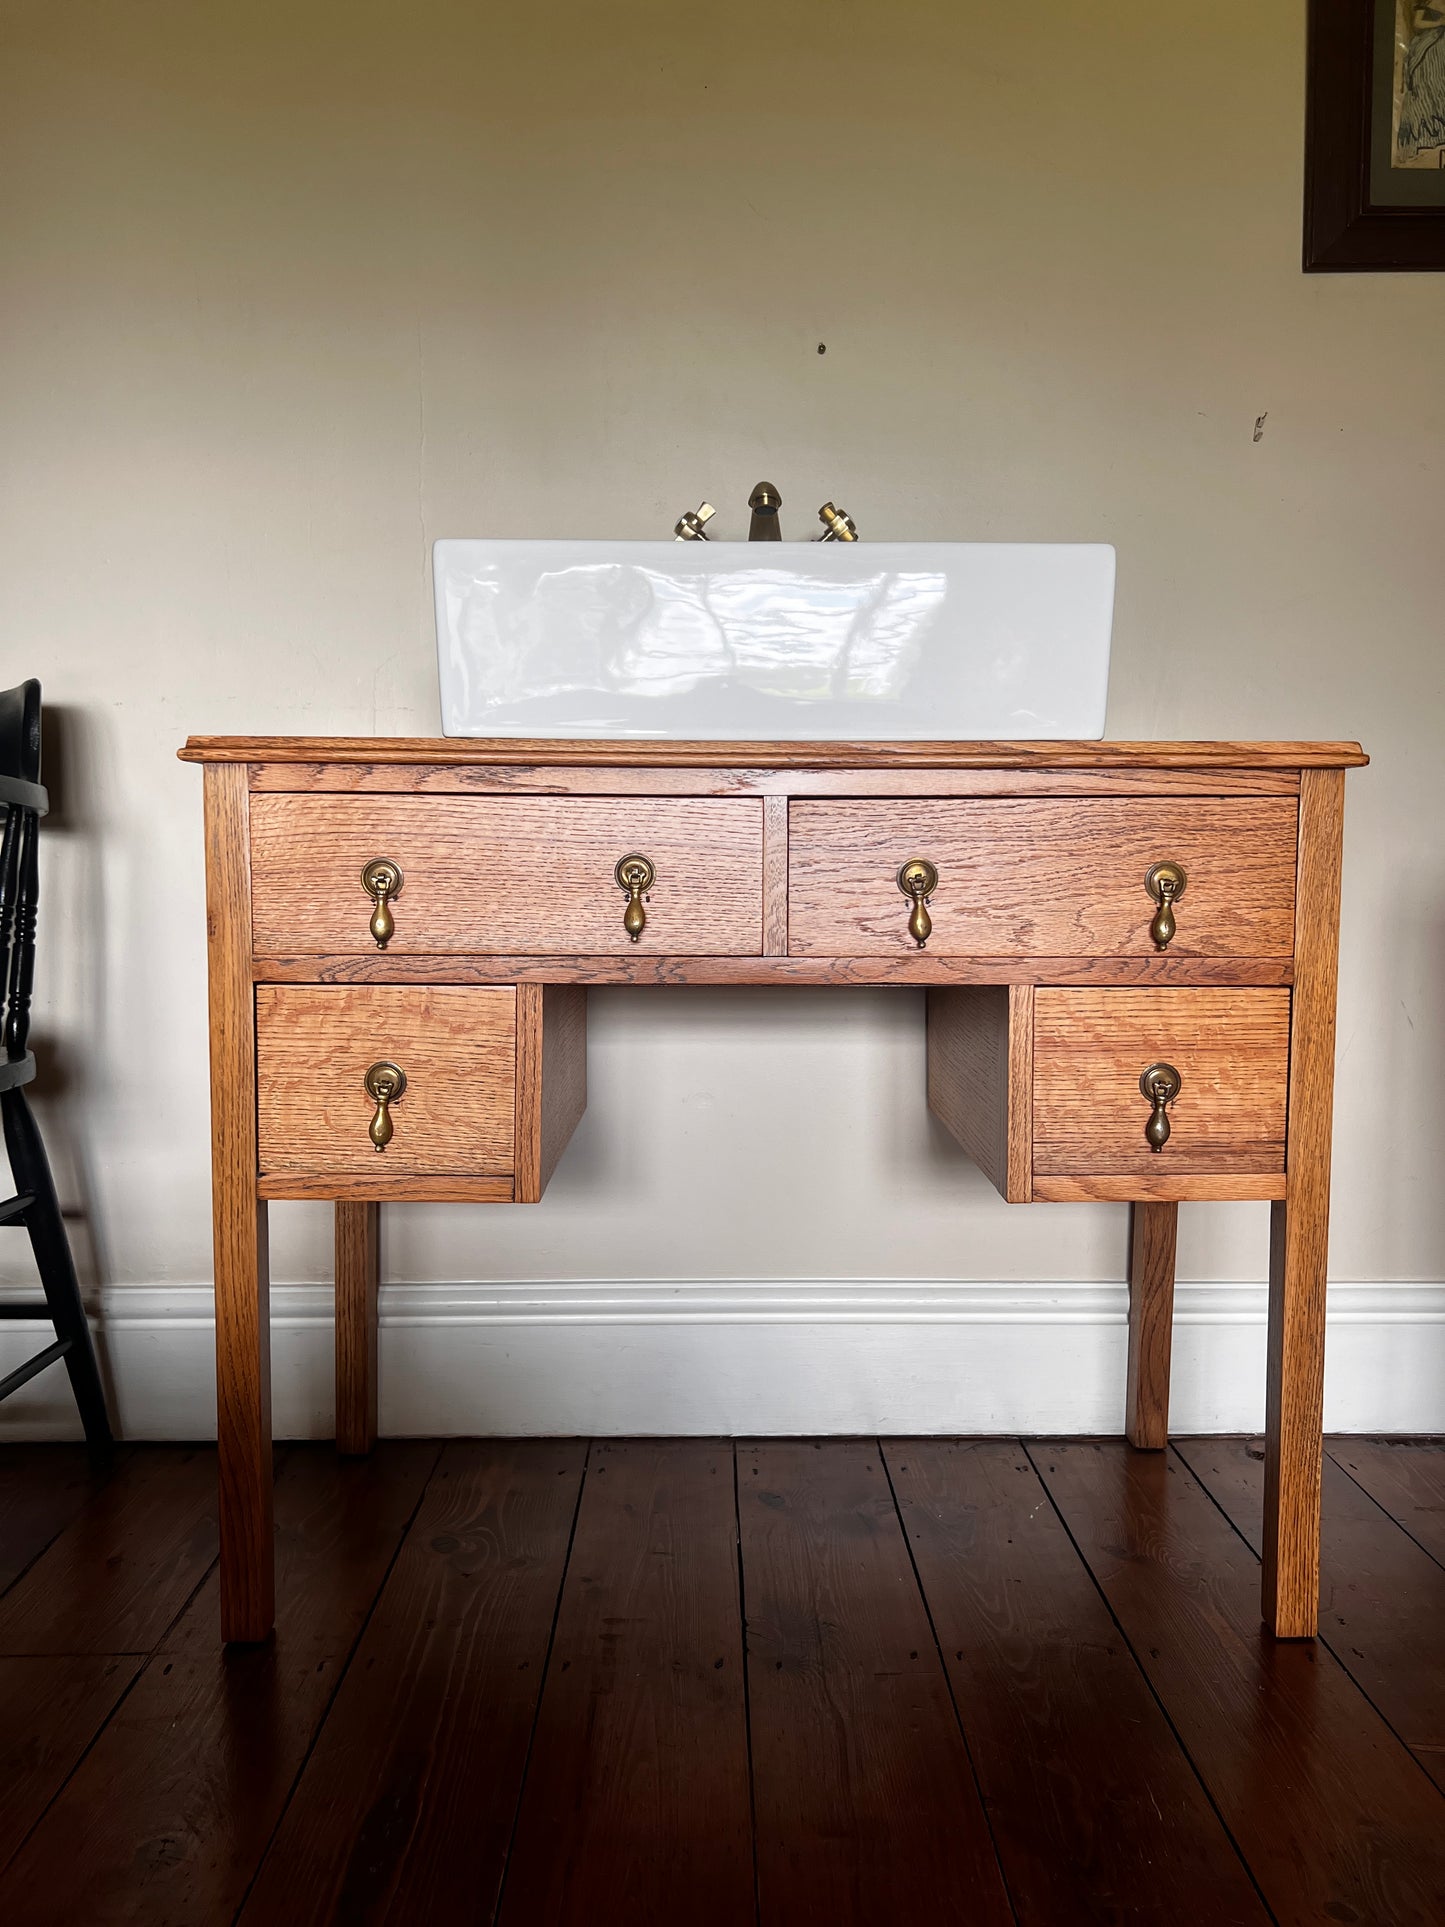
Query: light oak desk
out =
(1129, 949)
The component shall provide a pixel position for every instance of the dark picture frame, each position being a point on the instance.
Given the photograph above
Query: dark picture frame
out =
(1360, 212)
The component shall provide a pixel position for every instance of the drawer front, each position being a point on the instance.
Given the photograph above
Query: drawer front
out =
(1043, 877)
(507, 875)
(457, 1047)
(1230, 1048)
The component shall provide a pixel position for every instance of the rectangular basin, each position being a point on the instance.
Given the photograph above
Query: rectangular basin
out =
(775, 641)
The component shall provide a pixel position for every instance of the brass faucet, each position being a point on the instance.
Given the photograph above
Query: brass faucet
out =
(765, 502)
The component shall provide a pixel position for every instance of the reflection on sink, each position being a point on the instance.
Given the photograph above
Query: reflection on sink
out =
(778, 641)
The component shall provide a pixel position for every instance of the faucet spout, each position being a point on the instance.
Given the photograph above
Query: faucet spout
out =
(765, 502)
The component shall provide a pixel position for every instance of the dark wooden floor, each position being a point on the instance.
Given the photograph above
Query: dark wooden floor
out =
(680, 1682)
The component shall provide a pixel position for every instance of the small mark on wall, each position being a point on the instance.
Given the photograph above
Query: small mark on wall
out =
(1259, 422)
(822, 347)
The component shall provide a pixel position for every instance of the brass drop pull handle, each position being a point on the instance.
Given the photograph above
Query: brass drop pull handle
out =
(382, 881)
(636, 876)
(384, 1085)
(1165, 883)
(918, 879)
(1160, 1085)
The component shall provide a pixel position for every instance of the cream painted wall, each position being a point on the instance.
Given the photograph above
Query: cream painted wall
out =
(290, 290)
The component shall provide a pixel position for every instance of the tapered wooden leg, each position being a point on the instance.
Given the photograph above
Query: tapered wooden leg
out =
(358, 1274)
(1299, 1230)
(1294, 1422)
(243, 1418)
(243, 1284)
(1152, 1233)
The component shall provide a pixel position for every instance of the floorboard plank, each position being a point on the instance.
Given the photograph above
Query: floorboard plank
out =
(1382, 1597)
(1334, 1817)
(168, 1816)
(1406, 1477)
(50, 1710)
(124, 1567)
(866, 1805)
(405, 1809)
(1097, 1814)
(636, 1806)
(42, 1488)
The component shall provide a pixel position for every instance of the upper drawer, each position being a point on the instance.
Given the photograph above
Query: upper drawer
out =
(1043, 876)
(516, 875)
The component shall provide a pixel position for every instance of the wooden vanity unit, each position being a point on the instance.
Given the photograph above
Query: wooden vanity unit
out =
(1129, 951)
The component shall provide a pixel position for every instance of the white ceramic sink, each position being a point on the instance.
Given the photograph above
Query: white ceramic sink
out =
(775, 641)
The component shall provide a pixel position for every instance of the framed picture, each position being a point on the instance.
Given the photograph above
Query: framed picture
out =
(1375, 136)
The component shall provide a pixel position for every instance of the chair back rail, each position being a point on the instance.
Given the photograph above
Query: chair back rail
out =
(20, 973)
(23, 800)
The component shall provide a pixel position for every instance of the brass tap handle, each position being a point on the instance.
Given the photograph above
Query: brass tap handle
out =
(636, 876)
(690, 527)
(384, 1085)
(918, 879)
(837, 526)
(1160, 1085)
(382, 881)
(1165, 883)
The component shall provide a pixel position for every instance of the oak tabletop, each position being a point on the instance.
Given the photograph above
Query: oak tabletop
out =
(522, 752)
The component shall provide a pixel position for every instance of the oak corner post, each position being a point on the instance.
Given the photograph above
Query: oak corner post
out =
(1299, 1229)
(243, 1335)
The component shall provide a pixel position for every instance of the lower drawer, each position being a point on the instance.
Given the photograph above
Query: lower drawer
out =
(1081, 1093)
(492, 1083)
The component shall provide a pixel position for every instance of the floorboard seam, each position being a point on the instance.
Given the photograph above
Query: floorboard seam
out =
(1324, 1638)
(947, 1676)
(747, 1687)
(90, 1652)
(83, 1756)
(1204, 1488)
(1434, 1557)
(59, 1531)
(1152, 1689)
(342, 1670)
(496, 1913)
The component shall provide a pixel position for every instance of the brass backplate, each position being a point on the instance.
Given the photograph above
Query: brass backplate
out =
(1162, 874)
(918, 877)
(1160, 1083)
(382, 878)
(384, 1081)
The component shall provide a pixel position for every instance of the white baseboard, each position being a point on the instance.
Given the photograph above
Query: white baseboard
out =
(750, 1358)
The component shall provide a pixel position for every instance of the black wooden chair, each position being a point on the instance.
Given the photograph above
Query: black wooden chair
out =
(23, 802)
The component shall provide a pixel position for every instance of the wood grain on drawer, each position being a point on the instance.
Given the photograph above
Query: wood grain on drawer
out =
(457, 1047)
(1230, 1047)
(1043, 876)
(527, 875)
